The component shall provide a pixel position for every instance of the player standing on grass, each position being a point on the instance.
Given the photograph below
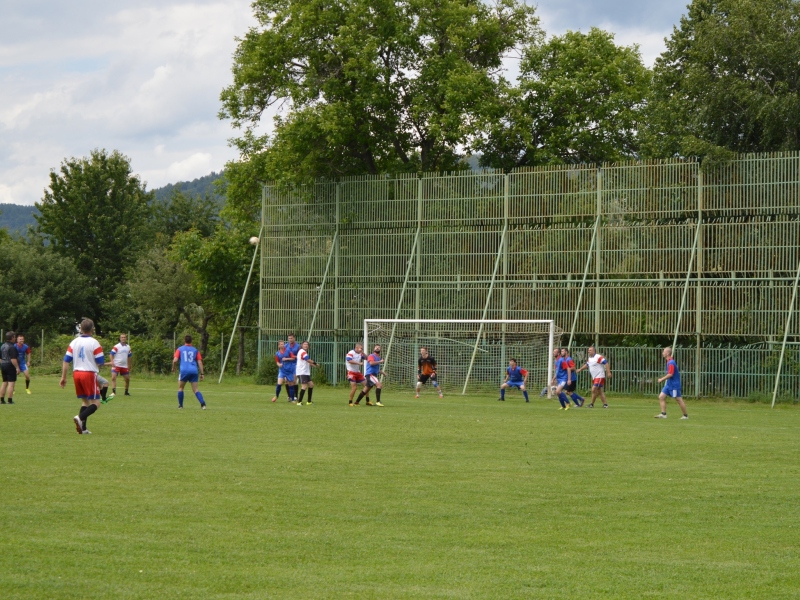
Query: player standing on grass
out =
(304, 364)
(426, 370)
(598, 370)
(562, 378)
(573, 382)
(191, 368)
(354, 359)
(86, 356)
(515, 377)
(672, 387)
(23, 356)
(290, 364)
(121, 363)
(374, 362)
(281, 379)
(9, 366)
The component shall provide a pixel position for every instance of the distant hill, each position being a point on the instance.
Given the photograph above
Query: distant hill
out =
(197, 187)
(16, 217)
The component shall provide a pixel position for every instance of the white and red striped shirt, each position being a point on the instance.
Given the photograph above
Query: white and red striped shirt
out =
(354, 361)
(597, 366)
(85, 354)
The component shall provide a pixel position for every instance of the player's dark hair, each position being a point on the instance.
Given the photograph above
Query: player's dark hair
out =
(187, 339)
(19, 335)
(10, 336)
(288, 335)
(87, 325)
(514, 360)
(421, 348)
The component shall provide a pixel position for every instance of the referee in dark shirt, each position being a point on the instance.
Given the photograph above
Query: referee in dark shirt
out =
(9, 367)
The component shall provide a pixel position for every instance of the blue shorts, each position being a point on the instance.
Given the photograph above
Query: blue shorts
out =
(515, 384)
(672, 391)
(288, 375)
(562, 383)
(189, 377)
(23, 367)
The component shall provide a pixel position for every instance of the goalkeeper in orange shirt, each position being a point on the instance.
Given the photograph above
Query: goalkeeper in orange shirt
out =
(426, 371)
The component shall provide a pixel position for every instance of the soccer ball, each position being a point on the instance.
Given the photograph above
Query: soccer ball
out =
(254, 241)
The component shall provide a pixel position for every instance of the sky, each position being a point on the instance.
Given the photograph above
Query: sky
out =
(144, 78)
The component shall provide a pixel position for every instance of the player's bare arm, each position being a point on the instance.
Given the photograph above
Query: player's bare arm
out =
(64, 367)
(174, 362)
(201, 368)
(15, 362)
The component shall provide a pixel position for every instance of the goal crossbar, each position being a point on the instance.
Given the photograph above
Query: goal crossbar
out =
(549, 322)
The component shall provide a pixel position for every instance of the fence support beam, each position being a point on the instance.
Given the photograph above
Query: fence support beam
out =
(597, 265)
(786, 335)
(336, 295)
(241, 305)
(486, 306)
(686, 286)
(331, 252)
(583, 281)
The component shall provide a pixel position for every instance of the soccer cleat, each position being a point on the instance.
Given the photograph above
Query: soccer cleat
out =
(127, 393)
(605, 405)
(661, 416)
(684, 418)
(86, 432)
(501, 399)
(379, 403)
(3, 401)
(299, 404)
(561, 408)
(567, 407)
(274, 398)
(78, 425)
(27, 391)
(591, 405)
(180, 408)
(369, 403)
(416, 395)
(10, 401)
(441, 395)
(350, 403)
(204, 407)
(309, 402)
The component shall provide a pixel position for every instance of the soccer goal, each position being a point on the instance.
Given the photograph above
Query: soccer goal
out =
(471, 355)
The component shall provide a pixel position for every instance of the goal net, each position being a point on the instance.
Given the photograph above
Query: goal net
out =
(471, 355)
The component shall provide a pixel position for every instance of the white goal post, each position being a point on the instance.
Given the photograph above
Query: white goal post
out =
(475, 350)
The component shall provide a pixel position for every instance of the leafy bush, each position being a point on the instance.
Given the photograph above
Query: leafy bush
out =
(268, 373)
(152, 355)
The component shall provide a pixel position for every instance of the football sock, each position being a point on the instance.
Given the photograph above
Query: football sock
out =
(503, 393)
(199, 397)
(113, 390)
(294, 391)
(302, 393)
(278, 390)
(2, 400)
(378, 394)
(90, 410)
(562, 397)
(576, 398)
(27, 383)
(103, 392)
(310, 392)
(525, 393)
(180, 398)
(360, 396)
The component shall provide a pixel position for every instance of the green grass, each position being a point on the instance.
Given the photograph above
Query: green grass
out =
(454, 498)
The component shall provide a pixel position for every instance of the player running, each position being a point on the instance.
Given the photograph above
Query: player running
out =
(426, 371)
(121, 363)
(86, 356)
(354, 359)
(516, 377)
(672, 387)
(562, 378)
(374, 371)
(23, 357)
(598, 370)
(9, 366)
(191, 369)
(573, 382)
(304, 364)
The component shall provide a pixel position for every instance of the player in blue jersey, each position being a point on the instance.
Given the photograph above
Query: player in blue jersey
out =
(24, 355)
(290, 366)
(672, 386)
(516, 377)
(374, 371)
(562, 378)
(191, 369)
(573, 383)
(284, 376)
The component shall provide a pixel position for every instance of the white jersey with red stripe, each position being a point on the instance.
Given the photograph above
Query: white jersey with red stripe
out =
(303, 368)
(354, 361)
(120, 354)
(597, 366)
(85, 353)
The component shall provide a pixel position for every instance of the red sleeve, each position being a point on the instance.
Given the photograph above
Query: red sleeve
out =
(571, 363)
(277, 360)
(199, 356)
(28, 351)
(671, 369)
(98, 350)
(524, 372)
(177, 353)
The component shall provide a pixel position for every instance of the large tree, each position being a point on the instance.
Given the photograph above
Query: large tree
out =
(369, 86)
(96, 212)
(579, 99)
(729, 80)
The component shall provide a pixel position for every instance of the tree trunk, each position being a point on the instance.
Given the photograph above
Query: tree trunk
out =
(240, 361)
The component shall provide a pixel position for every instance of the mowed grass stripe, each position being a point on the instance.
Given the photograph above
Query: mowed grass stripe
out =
(456, 498)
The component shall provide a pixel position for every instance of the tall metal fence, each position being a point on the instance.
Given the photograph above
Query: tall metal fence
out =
(616, 252)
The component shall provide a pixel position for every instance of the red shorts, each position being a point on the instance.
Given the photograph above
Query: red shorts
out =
(355, 377)
(599, 381)
(86, 385)
(120, 370)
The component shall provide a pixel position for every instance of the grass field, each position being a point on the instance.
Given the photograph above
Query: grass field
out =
(457, 498)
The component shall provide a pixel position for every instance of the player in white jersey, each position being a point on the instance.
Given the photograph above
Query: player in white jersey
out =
(599, 370)
(303, 372)
(86, 356)
(121, 363)
(355, 358)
